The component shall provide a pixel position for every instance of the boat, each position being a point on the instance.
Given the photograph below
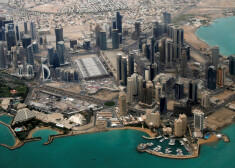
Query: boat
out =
(181, 142)
(162, 139)
(166, 138)
(159, 136)
(150, 144)
(172, 142)
(167, 150)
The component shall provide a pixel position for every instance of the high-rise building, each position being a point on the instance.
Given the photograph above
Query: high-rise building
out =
(30, 56)
(61, 51)
(179, 90)
(232, 65)
(163, 105)
(122, 103)
(149, 87)
(153, 71)
(155, 29)
(166, 17)
(115, 39)
(220, 75)
(26, 41)
(137, 30)
(153, 119)
(147, 74)
(56, 60)
(97, 35)
(182, 108)
(119, 67)
(131, 63)
(124, 71)
(215, 56)
(10, 36)
(50, 51)
(178, 125)
(135, 85)
(46, 73)
(183, 118)
(32, 29)
(192, 92)
(183, 65)
(17, 33)
(198, 120)
(211, 79)
(158, 91)
(26, 27)
(205, 101)
(152, 49)
(130, 89)
(140, 84)
(59, 35)
(169, 53)
(103, 40)
(2, 56)
(119, 22)
(29, 70)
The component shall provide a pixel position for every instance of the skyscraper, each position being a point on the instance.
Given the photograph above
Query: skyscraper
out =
(232, 65)
(103, 40)
(17, 33)
(50, 51)
(220, 75)
(131, 63)
(56, 60)
(10, 36)
(119, 22)
(183, 66)
(97, 35)
(211, 79)
(2, 56)
(205, 102)
(158, 91)
(178, 125)
(179, 90)
(130, 89)
(59, 35)
(137, 30)
(149, 87)
(119, 67)
(163, 105)
(30, 56)
(32, 29)
(198, 120)
(183, 118)
(192, 92)
(169, 53)
(25, 27)
(122, 103)
(60, 48)
(115, 39)
(215, 56)
(166, 17)
(124, 71)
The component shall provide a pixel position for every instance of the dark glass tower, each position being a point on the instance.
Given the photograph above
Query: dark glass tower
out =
(131, 63)
(179, 90)
(115, 39)
(192, 92)
(232, 65)
(211, 78)
(103, 40)
(119, 22)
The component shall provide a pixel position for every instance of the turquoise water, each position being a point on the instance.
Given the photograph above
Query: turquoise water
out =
(221, 33)
(113, 149)
(6, 137)
(6, 119)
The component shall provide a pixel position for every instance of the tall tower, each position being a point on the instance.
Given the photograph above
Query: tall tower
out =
(153, 119)
(184, 64)
(25, 27)
(61, 50)
(220, 75)
(30, 56)
(158, 91)
(103, 40)
(183, 118)
(211, 79)
(166, 17)
(119, 22)
(178, 128)
(131, 63)
(179, 90)
(169, 53)
(163, 105)
(232, 65)
(59, 35)
(122, 103)
(130, 89)
(115, 39)
(149, 87)
(215, 56)
(124, 71)
(198, 120)
(50, 51)
(192, 92)
(2, 56)
(119, 67)
(32, 29)
(205, 99)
